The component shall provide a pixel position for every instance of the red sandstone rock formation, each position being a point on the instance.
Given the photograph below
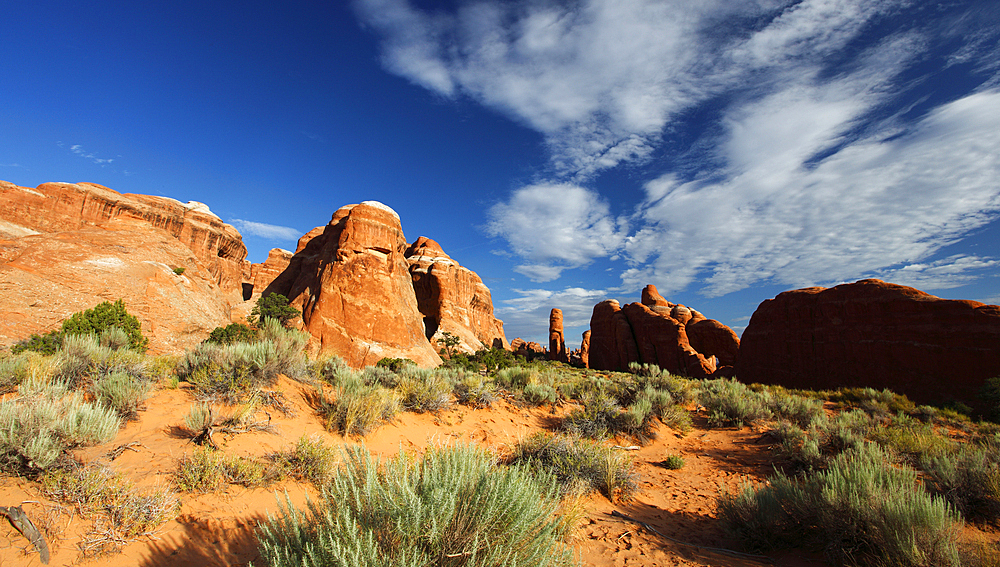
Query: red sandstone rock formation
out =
(557, 342)
(585, 350)
(655, 331)
(60, 207)
(452, 299)
(65, 248)
(353, 286)
(529, 350)
(876, 334)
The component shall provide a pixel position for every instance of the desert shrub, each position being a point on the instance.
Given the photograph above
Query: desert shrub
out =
(385, 377)
(597, 418)
(356, 408)
(573, 460)
(673, 462)
(331, 369)
(310, 459)
(394, 364)
(233, 333)
(28, 365)
(272, 306)
(84, 358)
(180, 270)
(912, 438)
(97, 490)
(454, 506)
(104, 316)
(515, 378)
(208, 470)
(289, 358)
(495, 359)
(537, 393)
(800, 410)
(424, 390)
(732, 403)
(969, 479)
(46, 420)
(989, 393)
(47, 343)
(861, 510)
(475, 390)
(122, 392)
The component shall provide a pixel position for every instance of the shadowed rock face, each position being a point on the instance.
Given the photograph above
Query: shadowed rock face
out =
(452, 299)
(876, 334)
(655, 331)
(352, 283)
(66, 247)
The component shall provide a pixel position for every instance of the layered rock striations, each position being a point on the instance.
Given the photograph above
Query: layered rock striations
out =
(61, 207)
(557, 342)
(352, 283)
(452, 298)
(873, 334)
(66, 247)
(656, 331)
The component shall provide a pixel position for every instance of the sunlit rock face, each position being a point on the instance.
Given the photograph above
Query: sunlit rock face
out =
(452, 299)
(66, 247)
(873, 334)
(557, 341)
(352, 283)
(655, 331)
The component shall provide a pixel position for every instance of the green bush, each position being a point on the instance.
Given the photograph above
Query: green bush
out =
(861, 510)
(180, 270)
(425, 390)
(331, 370)
(732, 403)
(272, 306)
(475, 390)
(47, 343)
(27, 365)
(537, 394)
(310, 459)
(452, 507)
(395, 364)
(122, 392)
(356, 408)
(969, 479)
(104, 316)
(496, 358)
(208, 470)
(573, 460)
(233, 333)
(673, 462)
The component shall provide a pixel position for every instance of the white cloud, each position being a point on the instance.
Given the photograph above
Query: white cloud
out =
(874, 204)
(78, 150)
(269, 231)
(946, 273)
(556, 226)
(527, 316)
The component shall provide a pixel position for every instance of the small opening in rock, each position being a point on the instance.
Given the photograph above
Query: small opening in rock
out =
(247, 291)
(430, 326)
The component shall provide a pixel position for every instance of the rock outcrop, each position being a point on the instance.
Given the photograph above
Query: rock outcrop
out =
(874, 334)
(452, 299)
(530, 350)
(60, 207)
(585, 350)
(66, 247)
(352, 283)
(557, 342)
(656, 331)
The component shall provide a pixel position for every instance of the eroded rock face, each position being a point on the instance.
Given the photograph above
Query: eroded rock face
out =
(557, 342)
(528, 349)
(352, 283)
(655, 331)
(452, 299)
(60, 207)
(875, 334)
(66, 247)
(585, 350)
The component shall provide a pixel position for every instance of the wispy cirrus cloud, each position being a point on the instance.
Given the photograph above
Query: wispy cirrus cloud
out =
(785, 142)
(78, 150)
(263, 230)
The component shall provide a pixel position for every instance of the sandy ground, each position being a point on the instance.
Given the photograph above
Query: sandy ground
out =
(217, 529)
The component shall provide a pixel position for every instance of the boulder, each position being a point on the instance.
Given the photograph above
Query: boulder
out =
(557, 342)
(452, 299)
(655, 331)
(353, 285)
(873, 334)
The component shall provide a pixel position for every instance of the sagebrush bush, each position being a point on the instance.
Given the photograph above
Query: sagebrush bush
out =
(208, 470)
(597, 419)
(514, 378)
(452, 507)
(573, 460)
(37, 427)
(331, 369)
(732, 403)
(536, 393)
(969, 479)
(353, 407)
(424, 390)
(310, 459)
(475, 390)
(861, 510)
(28, 365)
(122, 392)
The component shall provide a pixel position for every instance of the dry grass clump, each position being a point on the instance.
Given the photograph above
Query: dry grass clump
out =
(310, 459)
(353, 407)
(208, 470)
(121, 512)
(576, 462)
(454, 506)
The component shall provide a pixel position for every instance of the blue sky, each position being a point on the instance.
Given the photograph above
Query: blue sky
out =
(568, 152)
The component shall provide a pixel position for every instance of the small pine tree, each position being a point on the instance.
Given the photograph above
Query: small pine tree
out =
(272, 306)
(105, 316)
(233, 333)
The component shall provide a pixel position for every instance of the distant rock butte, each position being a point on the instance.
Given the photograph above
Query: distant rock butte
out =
(66, 247)
(352, 283)
(656, 331)
(528, 349)
(873, 334)
(452, 299)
